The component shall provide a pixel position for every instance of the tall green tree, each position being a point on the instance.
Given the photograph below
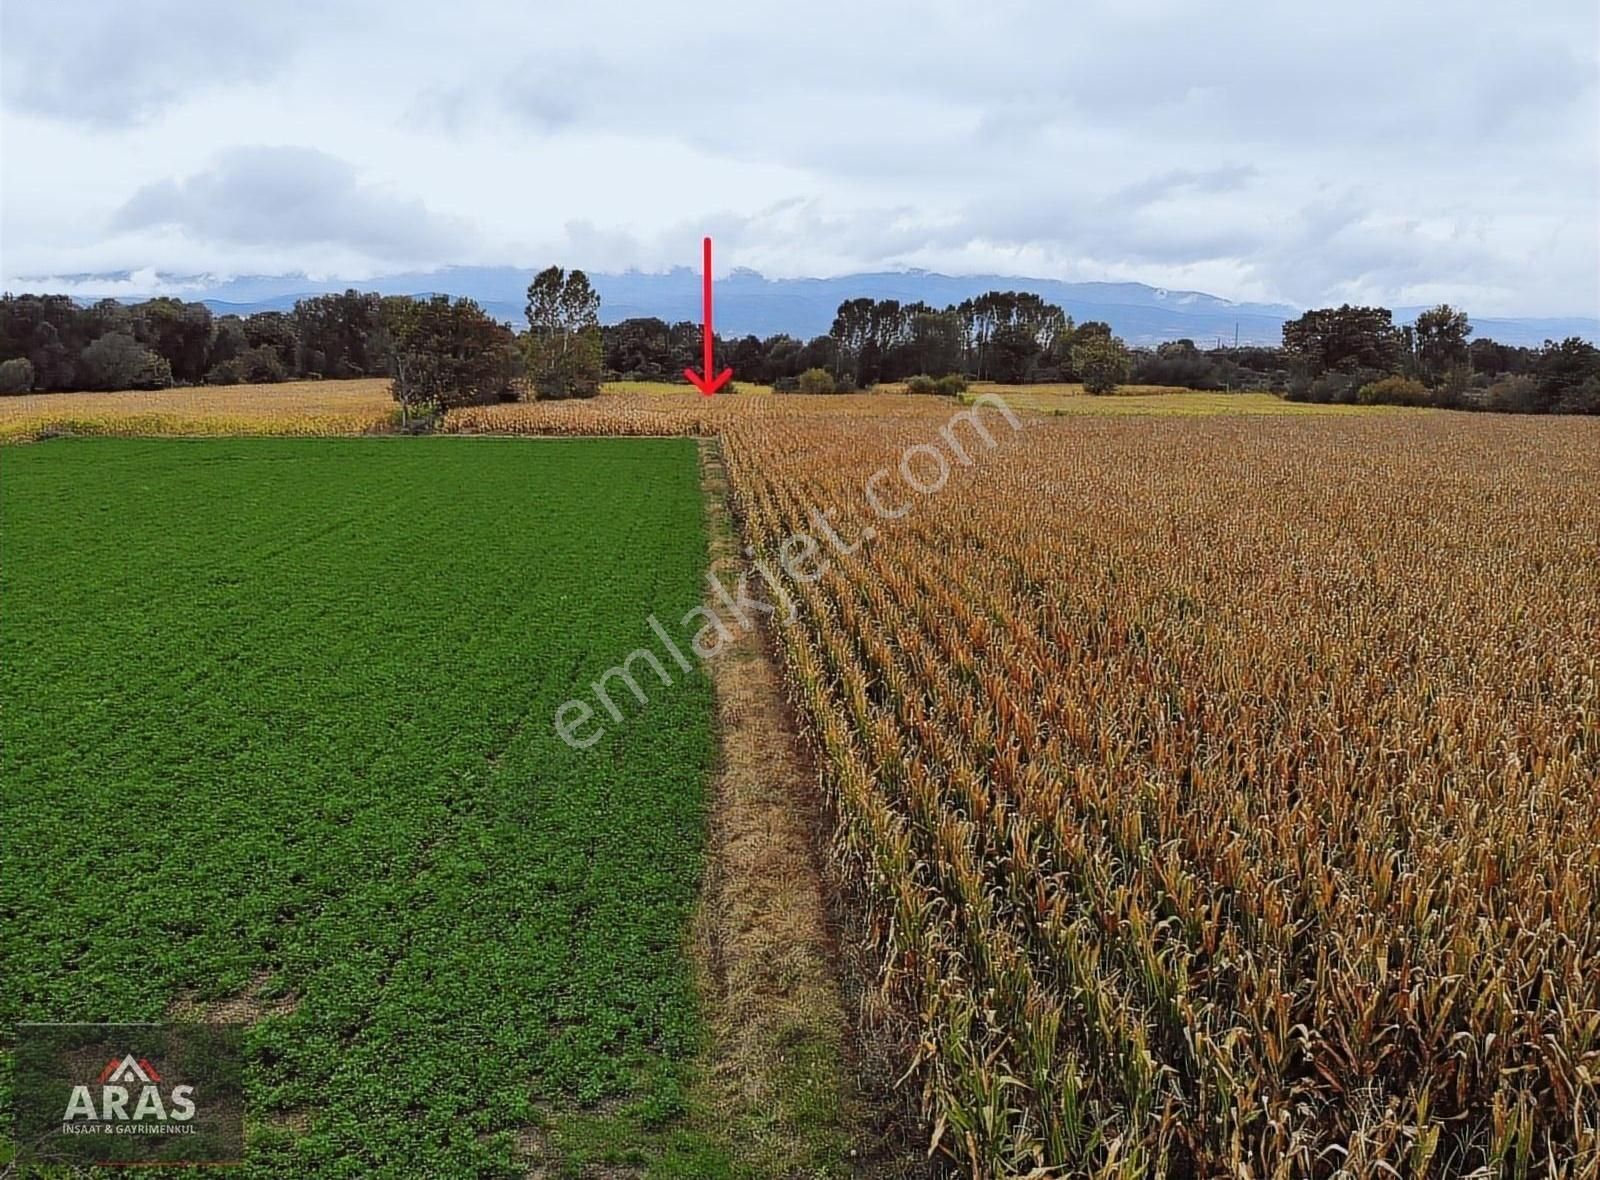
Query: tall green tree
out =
(118, 361)
(1343, 340)
(935, 345)
(49, 331)
(1569, 377)
(564, 349)
(1441, 343)
(447, 354)
(228, 341)
(178, 332)
(274, 330)
(1101, 362)
(851, 333)
(339, 335)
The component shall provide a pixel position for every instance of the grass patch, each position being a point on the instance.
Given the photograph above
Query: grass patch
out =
(277, 734)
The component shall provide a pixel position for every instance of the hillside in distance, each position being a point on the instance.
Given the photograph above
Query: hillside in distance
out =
(748, 303)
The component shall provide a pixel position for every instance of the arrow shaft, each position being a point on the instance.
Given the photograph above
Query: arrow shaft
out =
(707, 370)
(707, 381)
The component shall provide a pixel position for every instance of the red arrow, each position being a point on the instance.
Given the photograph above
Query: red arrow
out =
(705, 382)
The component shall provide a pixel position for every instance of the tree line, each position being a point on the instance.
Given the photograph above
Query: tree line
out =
(1359, 355)
(440, 352)
(1006, 336)
(50, 342)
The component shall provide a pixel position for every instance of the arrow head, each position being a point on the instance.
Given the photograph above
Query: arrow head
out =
(708, 385)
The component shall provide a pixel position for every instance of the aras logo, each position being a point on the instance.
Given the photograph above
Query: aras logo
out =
(100, 1095)
(121, 1071)
(129, 1090)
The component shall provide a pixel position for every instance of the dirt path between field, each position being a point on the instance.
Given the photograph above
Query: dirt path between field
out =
(782, 1068)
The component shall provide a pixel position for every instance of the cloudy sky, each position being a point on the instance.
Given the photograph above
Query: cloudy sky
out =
(1383, 150)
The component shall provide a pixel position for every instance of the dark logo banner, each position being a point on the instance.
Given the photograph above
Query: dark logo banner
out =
(130, 1094)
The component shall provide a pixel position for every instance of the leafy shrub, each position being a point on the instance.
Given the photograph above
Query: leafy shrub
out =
(1336, 388)
(1583, 400)
(1172, 365)
(949, 385)
(16, 375)
(1332, 388)
(817, 381)
(1516, 394)
(1101, 363)
(402, 421)
(1393, 391)
(223, 373)
(261, 366)
(1563, 370)
(253, 366)
(118, 361)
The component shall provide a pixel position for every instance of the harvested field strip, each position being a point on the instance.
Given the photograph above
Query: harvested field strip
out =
(777, 1071)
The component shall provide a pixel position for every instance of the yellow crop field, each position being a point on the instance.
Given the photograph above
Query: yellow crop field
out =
(674, 388)
(1223, 789)
(681, 411)
(288, 408)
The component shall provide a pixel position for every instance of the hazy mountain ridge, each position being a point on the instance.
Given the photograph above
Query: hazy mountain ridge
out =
(748, 303)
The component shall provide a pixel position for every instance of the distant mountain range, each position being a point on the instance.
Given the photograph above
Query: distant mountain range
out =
(748, 303)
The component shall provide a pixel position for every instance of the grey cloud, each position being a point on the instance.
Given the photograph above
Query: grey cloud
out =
(553, 91)
(444, 109)
(882, 232)
(111, 64)
(1229, 178)
(292, 196)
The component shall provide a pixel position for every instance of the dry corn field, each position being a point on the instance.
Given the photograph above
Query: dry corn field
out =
(1223, 791)
(677, 413)
(289, 408)
(294, 408)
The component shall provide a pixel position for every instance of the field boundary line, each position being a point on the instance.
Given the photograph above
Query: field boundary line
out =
(779, 1070)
